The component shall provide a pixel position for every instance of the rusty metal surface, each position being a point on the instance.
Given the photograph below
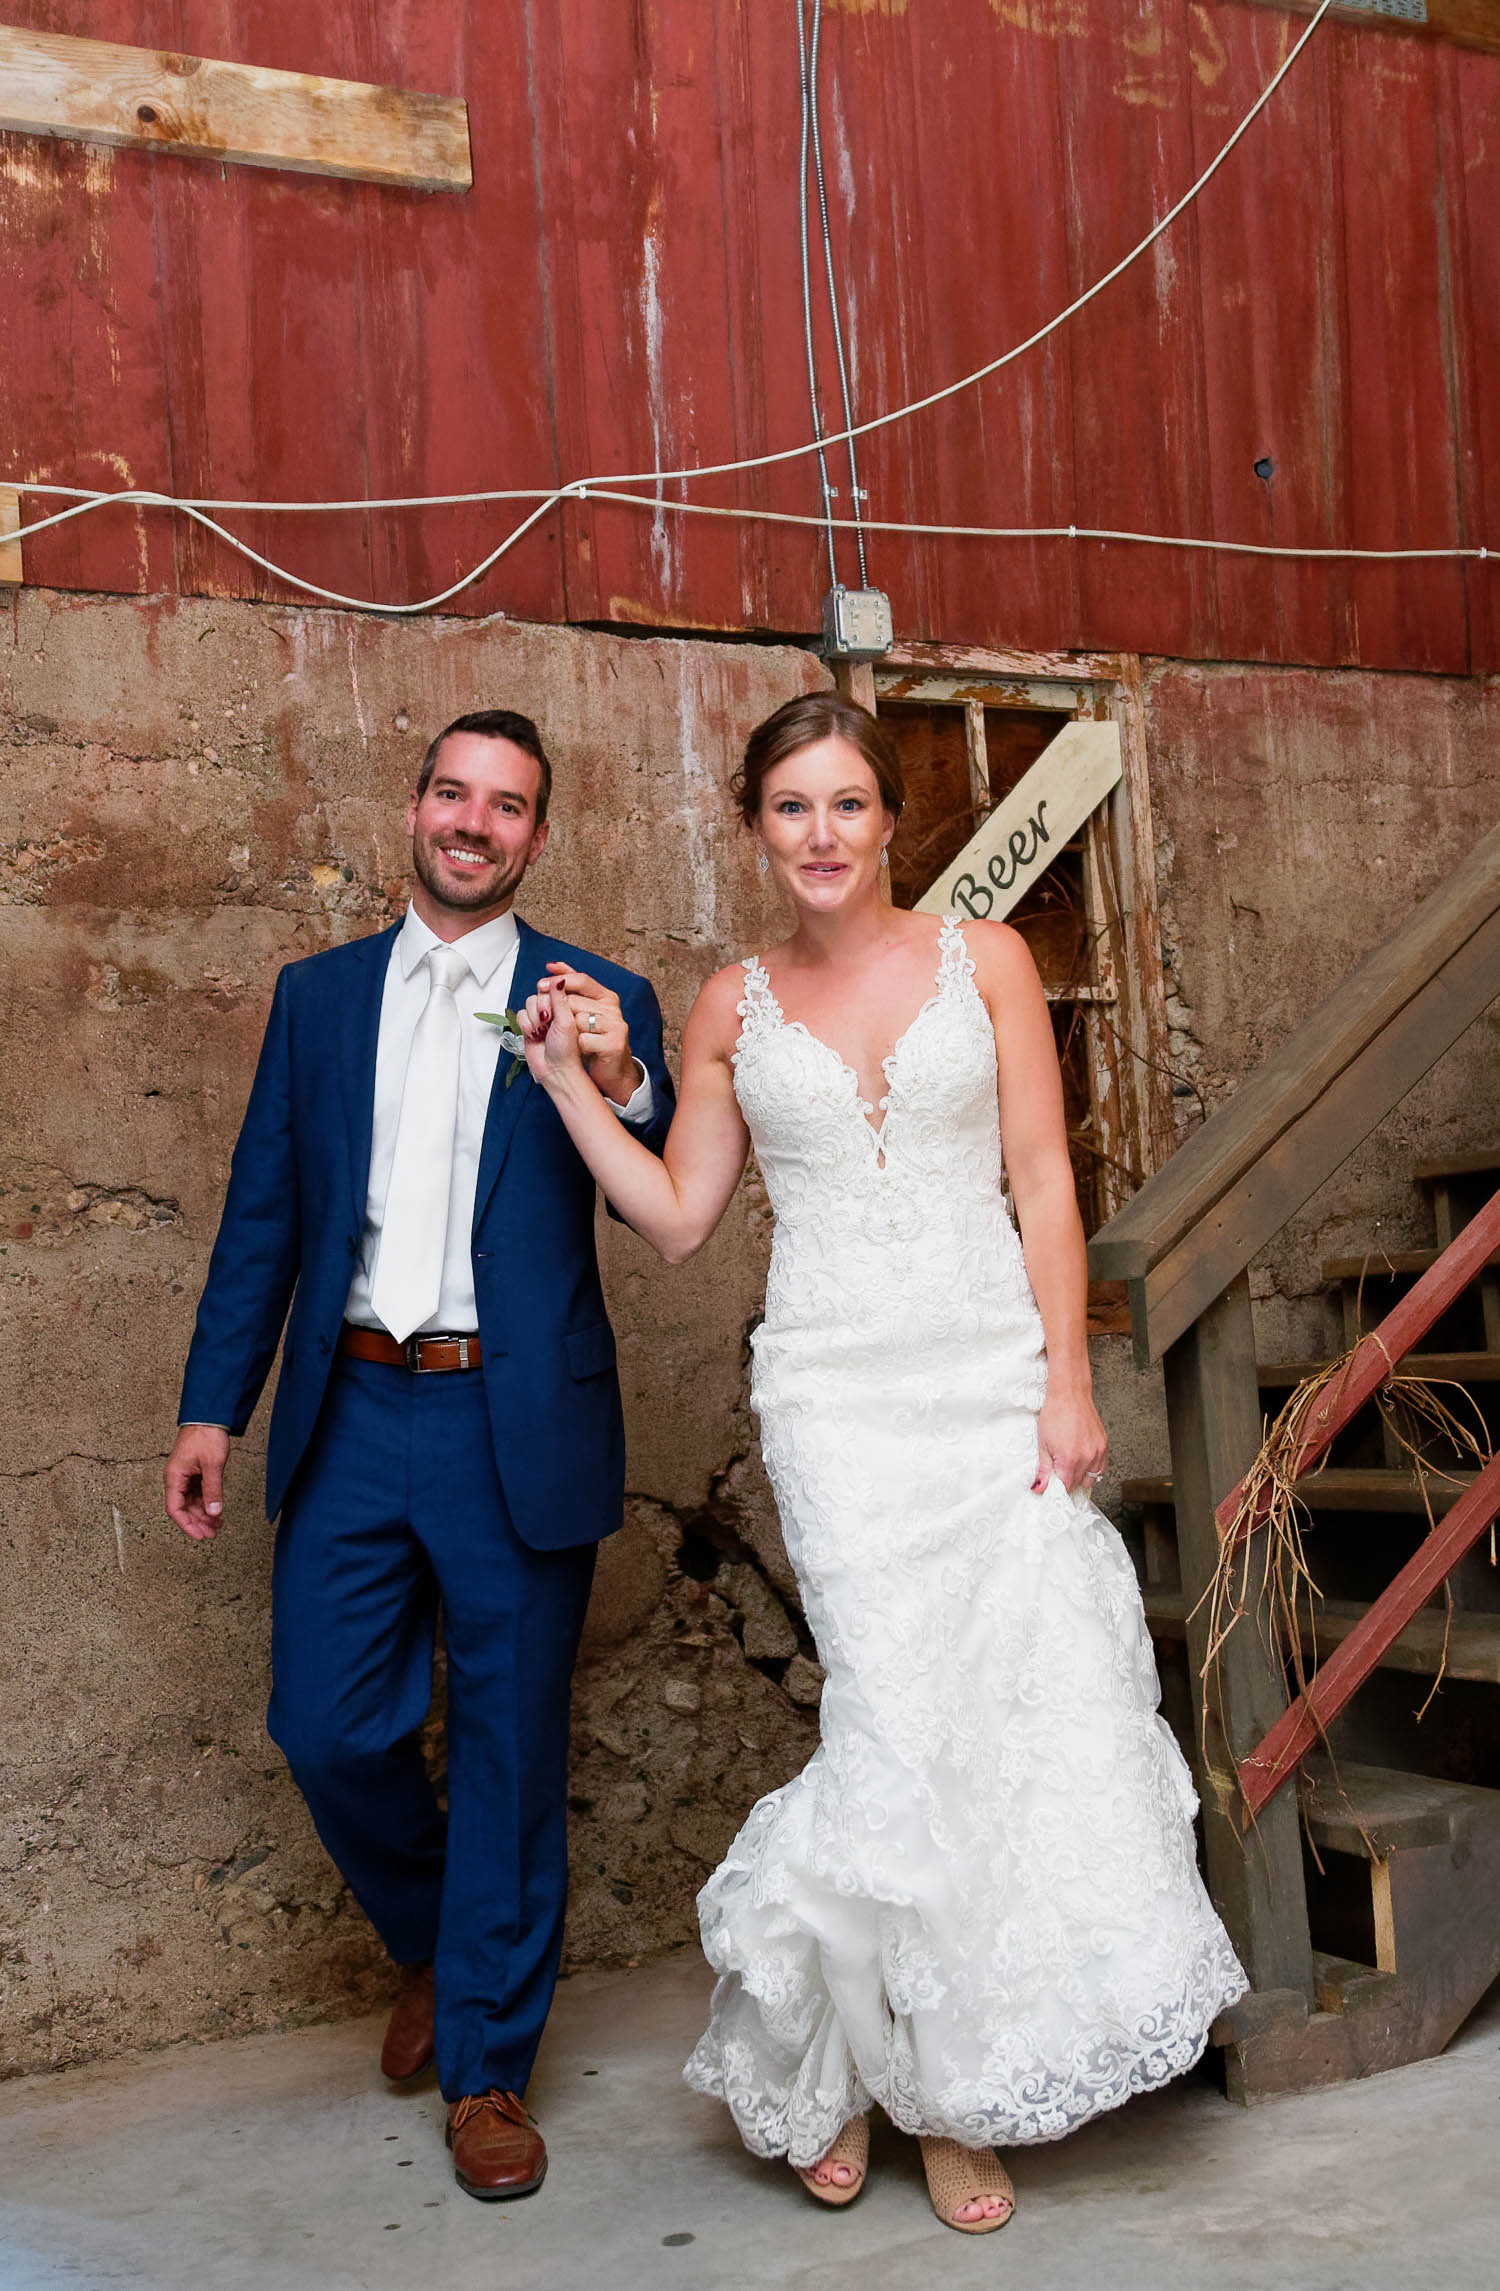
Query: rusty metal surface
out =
(621, 292)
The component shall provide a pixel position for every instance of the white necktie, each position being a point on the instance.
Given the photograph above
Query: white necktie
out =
(413, 1235)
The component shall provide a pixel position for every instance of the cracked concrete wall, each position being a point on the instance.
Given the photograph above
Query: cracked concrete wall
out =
(1301, 815)
(194, 793)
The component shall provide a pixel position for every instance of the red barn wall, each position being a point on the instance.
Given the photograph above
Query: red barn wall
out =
(621, 291)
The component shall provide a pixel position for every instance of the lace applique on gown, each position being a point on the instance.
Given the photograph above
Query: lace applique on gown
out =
(979, 1903)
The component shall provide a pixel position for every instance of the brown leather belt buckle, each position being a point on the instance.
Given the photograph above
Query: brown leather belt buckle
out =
(462, 1344)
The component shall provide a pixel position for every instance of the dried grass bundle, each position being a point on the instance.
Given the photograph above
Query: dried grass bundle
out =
(1263, 1569)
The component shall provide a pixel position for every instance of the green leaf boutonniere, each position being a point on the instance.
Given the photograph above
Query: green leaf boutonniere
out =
(510, 1038)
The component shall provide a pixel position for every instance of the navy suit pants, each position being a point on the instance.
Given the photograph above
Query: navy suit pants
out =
(397, 1510)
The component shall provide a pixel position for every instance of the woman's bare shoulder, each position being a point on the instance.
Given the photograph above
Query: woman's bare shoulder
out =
(999, 951)
(714, 1020)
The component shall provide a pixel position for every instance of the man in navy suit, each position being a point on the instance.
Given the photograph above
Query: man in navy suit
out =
(447, 1429)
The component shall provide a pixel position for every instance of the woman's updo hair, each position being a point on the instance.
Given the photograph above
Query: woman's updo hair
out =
(799, 724)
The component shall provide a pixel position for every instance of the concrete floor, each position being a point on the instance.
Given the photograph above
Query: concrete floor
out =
(282, 2164)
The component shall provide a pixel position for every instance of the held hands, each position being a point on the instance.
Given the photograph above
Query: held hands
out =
(1071, 1443)
(195, 1480)
(574, 1025)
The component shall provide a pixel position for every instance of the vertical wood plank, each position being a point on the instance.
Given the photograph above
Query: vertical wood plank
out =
(1473, 188)
(1214, 1425)
(1141, 1014)
(1128, 130)
(1278, 450)
(10, 525)
(1399, 412)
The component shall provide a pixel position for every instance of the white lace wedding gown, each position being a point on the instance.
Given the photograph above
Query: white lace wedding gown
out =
(979, 1904)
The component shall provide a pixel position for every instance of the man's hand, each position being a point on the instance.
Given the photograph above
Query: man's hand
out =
(195, 1480)
(603, 1036)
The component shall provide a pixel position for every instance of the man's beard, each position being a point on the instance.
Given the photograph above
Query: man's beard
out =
(489, 888)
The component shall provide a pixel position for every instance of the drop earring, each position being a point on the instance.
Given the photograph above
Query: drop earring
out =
(885, 855)
(762, 861)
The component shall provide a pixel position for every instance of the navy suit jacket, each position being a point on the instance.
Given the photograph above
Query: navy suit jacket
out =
(294, 1215)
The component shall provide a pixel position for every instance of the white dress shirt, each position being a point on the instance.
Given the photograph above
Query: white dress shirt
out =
(486, 985)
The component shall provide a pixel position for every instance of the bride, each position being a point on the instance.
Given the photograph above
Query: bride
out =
(978, 1905)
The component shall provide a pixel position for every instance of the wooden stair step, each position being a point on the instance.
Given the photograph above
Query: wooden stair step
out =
(1385, 1264)
(1354, 1809)
(1341, 1985)
(1338, 1489)
(1439, 1367)
(1461, 1165)
(1472, 1639)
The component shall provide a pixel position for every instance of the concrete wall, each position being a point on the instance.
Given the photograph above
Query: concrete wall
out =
(196, 792)
(1301, 815)
(193, 794)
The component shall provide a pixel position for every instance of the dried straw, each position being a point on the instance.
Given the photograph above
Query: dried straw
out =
(1266, 1573)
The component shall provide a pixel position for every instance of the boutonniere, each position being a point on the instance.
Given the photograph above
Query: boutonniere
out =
(510, 1038)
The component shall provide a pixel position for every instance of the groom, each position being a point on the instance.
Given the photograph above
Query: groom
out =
(447, 1428)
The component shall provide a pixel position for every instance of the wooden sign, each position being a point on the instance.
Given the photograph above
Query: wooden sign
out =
(1023, 835)
(96, 92)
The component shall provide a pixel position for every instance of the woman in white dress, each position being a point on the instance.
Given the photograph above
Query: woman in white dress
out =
(979, 1905)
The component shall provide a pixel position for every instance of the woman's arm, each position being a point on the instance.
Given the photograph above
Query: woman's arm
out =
(674, 1202)
(1034, 1135)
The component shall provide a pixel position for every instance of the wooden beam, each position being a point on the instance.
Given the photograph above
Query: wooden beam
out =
(1467, 23)
(1213, 1420)
(93, 91)
(10, 524)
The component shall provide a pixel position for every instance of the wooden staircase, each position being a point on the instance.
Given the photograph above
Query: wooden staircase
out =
(1401, 1862)
(1351, 1828)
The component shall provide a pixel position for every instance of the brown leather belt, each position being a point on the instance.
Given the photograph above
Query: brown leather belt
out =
(423, 1355)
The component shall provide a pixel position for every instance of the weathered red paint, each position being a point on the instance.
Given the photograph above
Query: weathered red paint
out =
(621, 291)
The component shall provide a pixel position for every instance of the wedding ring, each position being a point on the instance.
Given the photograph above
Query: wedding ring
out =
(593, 1023)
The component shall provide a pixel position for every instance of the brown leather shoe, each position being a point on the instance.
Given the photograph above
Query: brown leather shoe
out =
(497, 2149)
(408, 2045)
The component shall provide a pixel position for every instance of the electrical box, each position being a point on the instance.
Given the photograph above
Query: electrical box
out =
(857, 624)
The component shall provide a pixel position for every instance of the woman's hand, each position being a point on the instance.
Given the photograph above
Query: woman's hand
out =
(603, 1035)
(1071, 1442)
(549, 1029)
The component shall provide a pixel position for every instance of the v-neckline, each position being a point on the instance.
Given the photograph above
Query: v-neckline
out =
(865, 1106)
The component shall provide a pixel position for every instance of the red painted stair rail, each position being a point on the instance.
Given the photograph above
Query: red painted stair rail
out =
(1298, 1728)
(1377, 1354)
(1276, 1758)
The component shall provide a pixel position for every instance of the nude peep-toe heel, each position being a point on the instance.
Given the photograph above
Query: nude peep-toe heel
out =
(850, 2147)
(957, 2175)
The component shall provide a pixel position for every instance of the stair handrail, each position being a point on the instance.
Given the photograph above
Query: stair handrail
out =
(1376, 1357)
(1196, 1223)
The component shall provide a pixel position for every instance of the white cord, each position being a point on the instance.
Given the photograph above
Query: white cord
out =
(1041, 532)
(582, 488)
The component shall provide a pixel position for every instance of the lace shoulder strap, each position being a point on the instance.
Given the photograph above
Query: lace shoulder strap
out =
(758, 1008)
(955, 963)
